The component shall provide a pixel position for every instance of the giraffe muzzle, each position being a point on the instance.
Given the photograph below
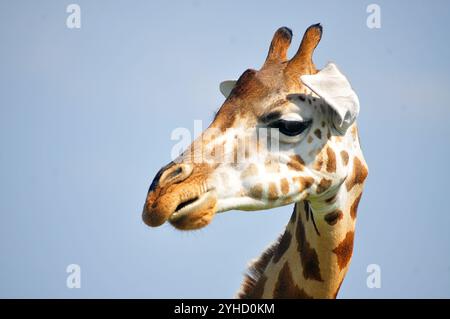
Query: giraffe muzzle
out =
(180, 196)
(194, 213)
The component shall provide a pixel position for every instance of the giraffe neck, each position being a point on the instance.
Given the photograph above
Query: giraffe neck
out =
(312, 256)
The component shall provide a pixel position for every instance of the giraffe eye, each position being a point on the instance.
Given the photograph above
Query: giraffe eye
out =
(291, 128)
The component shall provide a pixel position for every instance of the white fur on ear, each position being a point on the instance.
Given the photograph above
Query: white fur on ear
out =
(226, 87)
(332, 86)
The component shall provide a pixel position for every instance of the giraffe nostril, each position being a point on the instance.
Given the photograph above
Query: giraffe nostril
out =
(171, 173)
(157, 177)
(174, 173)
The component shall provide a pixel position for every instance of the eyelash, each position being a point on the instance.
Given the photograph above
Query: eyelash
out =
(291, 128)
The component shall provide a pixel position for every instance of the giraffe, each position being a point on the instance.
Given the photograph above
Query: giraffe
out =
(317, 165)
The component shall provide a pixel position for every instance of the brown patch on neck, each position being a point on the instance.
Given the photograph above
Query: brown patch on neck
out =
(344, 250)
(306, 208)
(308, 255)
(354, 207)
(293, 218)
(285, 287)
(283, 245)
(359, 174)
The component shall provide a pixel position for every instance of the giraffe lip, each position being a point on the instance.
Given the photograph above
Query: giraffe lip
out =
(190, 205)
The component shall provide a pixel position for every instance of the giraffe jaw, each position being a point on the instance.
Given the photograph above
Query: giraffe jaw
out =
(195, 213)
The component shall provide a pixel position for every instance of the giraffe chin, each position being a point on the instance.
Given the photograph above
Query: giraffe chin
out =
(195, 215)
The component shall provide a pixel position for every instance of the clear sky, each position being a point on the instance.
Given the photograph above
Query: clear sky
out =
(85, 122)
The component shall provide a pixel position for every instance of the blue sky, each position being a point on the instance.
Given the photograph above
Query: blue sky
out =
(85, 123)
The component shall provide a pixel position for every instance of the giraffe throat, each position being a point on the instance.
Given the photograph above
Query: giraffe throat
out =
(311, 258)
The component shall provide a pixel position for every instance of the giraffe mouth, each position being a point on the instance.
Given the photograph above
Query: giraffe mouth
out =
(195, 212)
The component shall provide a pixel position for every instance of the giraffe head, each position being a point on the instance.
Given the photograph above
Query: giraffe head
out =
(282, 135)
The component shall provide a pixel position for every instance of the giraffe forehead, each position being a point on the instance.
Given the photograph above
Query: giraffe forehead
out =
(257, 83)
(258, 93)
(253, 93)
(249, 85)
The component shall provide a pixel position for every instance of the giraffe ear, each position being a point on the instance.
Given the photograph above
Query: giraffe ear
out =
(226, 87)
(333, 87)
